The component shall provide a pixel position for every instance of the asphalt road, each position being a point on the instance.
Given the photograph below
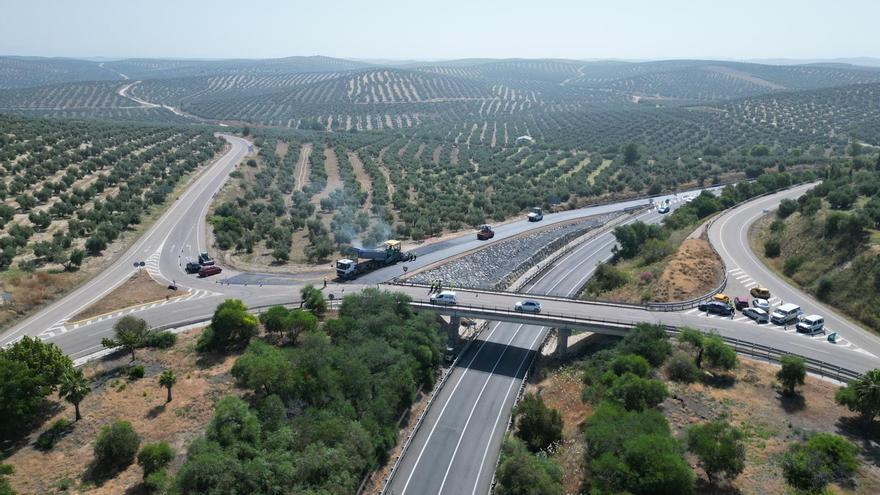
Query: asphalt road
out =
(457, 446)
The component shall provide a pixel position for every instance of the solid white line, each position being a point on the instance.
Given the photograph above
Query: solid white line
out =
(448, 400)
(477, 402)
(494, 426)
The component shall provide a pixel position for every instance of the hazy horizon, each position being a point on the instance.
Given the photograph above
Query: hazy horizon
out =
(386, 30)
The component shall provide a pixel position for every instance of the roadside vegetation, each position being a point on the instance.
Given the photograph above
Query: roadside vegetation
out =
(685, 415)
(662, 263)
(827, 242)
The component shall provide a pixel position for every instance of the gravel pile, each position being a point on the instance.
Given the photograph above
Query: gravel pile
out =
(499, 264)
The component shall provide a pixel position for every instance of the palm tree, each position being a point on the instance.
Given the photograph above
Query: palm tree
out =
(167, 379)
(74, 388)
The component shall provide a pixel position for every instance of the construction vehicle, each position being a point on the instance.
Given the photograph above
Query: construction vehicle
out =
(485, 233)
(368, 260)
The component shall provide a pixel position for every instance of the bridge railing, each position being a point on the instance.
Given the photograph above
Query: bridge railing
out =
(744, 347)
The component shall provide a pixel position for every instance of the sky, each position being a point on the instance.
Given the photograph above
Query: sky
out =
(442, 29)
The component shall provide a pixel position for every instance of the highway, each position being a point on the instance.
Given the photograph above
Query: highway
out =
(456, 448)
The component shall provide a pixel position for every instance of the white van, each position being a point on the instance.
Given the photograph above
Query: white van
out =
(446, 297)
(786, 314)
(811, 324)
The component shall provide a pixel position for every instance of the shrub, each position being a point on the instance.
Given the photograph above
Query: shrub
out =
(792, 264)
(160, 339)
(772, 248)
(230, 326)
(522, 473)
(719, 448)
(116, 445)
(786, 208)
(153, 457)
(824, 286)
(647, 340)
(654, 250)
(681, 368)
(809, 466)
(536, 424)
(136, 372)
(156, 481)
(606, 278)
(635, 393)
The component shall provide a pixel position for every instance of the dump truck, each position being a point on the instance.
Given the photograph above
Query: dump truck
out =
(368, 260)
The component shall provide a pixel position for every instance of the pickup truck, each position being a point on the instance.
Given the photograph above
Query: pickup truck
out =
(205, 260)
(536, 215)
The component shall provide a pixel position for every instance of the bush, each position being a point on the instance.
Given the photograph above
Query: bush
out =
(654, 250)
(824, 458)
(136, 372)
(231, 326)
(606, 278)
(116, 445)
(647, 340)
(156, 481)
(635, 393)
(719, 448)
(718, 354)
(153, 457)
(792, 264)
(772, 248)
(681, 368)
(536, 424)
(824, 287)
(522, 473)
(786, 208)
(160, 339)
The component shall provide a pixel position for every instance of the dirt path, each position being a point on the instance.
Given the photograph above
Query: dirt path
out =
(333, 180)
(435, 155)
(595, 173)
(362, 177)
(301, 169)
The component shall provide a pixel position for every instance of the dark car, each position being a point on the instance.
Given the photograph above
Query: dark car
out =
(715, 308)
(205, 260)
(193, 267)
(207, 271)
(485, 233)
(741, 303)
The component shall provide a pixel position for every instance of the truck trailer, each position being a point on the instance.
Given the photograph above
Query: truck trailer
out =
(367, 260)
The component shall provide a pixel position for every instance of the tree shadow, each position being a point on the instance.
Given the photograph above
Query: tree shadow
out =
(47, 410)
(723, 380)
(155, 411)
(209, 359)
(718, 488)
(791, 403)
(98, 474)
(866, 435)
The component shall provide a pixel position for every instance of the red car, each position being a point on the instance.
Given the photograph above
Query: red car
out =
(741, 303)
(207, 271)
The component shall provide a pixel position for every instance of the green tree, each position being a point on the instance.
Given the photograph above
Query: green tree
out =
(47, 362)
(5, 487)
(809, 466)
(74, 388)
(681, 368)
(74, 260)
(719, 447)
(645, 465)
(154, 457)
(862, 396)
(630, 154)
(523, 473)
(636, 393)
(772, 248)
(21, 393)
(299, 321)
(167, 379)
(275, 319)
(718, 354)
(265, 369)
(647, 340)
(116, 445)
(131, 333)
(536, 424)
(313, 300)
(792, 373)
(696, 340)
(230, 326)
(630, 363)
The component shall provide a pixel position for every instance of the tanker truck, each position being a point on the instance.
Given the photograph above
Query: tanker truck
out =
(367, 260)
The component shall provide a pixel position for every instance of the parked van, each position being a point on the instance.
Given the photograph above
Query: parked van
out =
(446, 297)
(207, 271)
(811, 324)
(786, 313)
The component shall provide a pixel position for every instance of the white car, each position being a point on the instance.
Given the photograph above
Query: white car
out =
(528, 306)
(761, 303)
(446, 298)
(757, 314)
(663, 209)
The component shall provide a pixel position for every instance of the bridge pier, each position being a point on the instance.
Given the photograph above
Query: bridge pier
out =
(562, 335)
(452, 331)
